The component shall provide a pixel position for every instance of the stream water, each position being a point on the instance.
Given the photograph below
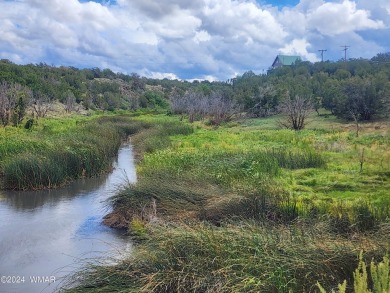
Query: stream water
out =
(47, 235)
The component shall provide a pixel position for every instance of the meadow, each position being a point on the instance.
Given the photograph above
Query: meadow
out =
(250, 207)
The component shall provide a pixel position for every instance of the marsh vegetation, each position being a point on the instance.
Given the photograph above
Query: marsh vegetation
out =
(249, 207)
(59, 150)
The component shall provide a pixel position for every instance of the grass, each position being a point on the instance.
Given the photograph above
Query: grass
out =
(236, 257)
(60, 150)
(317, 164)
(379, 277)
(248, 207)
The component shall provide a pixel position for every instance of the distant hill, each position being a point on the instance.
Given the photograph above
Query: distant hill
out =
(328, 84)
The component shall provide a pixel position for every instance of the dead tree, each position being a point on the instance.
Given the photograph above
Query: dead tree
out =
(296, 111)
(70, 102)
(40, 105)
(220, 108)
(13, 102)
(215, 106)
(5, 104)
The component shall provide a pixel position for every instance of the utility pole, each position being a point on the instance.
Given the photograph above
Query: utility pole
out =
(345, 51)
(322, 54)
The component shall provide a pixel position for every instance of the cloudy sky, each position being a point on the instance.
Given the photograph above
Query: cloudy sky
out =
(189, 39)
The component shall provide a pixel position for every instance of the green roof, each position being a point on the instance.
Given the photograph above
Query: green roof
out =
(286, 59)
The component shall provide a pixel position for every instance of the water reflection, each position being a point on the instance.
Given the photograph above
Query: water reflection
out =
(52, 232)
(30, 200)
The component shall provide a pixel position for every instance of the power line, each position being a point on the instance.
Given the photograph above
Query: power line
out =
(345, 51)
(322, 54)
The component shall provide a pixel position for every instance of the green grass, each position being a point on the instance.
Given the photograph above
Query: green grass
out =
(317, 167)
(248, 207)
(236, 257)
(59, 150)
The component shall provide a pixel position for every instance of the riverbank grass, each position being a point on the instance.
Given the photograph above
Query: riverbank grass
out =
(60, 150)
(236, 257)
(242, 208)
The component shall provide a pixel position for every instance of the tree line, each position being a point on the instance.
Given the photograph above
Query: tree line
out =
(357, 89)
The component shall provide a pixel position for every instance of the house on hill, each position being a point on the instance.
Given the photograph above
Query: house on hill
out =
(285, 60)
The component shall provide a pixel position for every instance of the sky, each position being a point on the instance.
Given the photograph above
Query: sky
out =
(189, 39)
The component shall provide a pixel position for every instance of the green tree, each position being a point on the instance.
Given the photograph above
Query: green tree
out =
(361, 99)
(138, 84)
(265, 101)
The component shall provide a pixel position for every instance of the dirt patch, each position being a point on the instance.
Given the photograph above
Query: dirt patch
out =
(116, 220)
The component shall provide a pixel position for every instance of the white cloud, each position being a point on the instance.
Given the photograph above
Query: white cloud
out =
(184, 38)
(294, 21)
(210, 78)
(241, 20)
(156, 9)
(201, 36)
(337, 18)
(306, 6)
(299, 47)
(159, 75)
(179, 25)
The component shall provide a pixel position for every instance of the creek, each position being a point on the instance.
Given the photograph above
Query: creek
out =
(49, 234)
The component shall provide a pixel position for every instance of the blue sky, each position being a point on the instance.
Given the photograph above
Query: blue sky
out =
(187, 39)
(279, 3)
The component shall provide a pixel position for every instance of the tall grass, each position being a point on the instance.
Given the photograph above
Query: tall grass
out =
(212, 185)
(158, 136)
(356, 217)
(169, 197)
(304, 158)
(239, 257)
(86, 150)
(378, 281)
(228, 167)
(260, 206)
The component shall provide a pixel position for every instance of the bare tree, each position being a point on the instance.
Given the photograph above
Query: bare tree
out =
(220, 108)
(296, 111)
(5, 103)
(70, 102)
(13, 101)
(40, 105)
(177, 102)
(194, 103)
(191, 103)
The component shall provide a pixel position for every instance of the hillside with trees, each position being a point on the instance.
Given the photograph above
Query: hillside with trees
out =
(357, 90)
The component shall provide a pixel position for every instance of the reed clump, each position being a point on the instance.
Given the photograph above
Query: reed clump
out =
(84, 151)
(158, 136)
(150, 201)
(239, 257)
